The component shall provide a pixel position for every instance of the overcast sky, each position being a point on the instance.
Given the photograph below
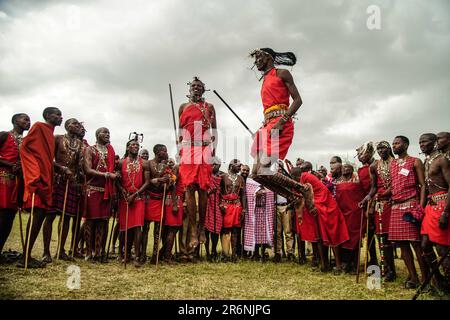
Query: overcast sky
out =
(109, 63)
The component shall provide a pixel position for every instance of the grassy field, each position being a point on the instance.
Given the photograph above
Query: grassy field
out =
(203, 280)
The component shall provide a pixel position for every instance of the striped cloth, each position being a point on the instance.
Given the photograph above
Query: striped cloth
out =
(258, 228)
(214, 218)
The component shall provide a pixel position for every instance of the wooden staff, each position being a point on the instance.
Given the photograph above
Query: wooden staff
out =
(61, 220)
(126, 234)
(20, 219)
(160, 226)
(358, 263)
(366, 254)
(29, 232)
(111, 235)
(380, 207)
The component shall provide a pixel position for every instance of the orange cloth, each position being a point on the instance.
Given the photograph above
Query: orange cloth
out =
(37, 153)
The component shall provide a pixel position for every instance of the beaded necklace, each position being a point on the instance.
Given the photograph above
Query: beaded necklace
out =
(428, 161)
(384, 171)
(133, 167)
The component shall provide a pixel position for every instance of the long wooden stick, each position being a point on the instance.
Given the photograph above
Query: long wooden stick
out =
(160, 226)
(61, 220)
(111, 236)
(29, 232)
(74, 235)
(358, 263)
(126, 234)
(22, 240)
(366, 254)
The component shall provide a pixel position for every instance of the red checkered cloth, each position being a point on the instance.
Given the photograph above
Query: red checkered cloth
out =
(258, 227)
(73, 197)
(400, 229)
(404, 181)
(214, 218)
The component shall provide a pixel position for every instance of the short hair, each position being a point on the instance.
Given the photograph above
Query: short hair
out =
(308, 165)
(232, 162)
(48, 111)
(68, 121)
(432, 136)
(296, 173)
(158, 147)
(403, 138)
(338, 159)
(97, 132)
(16, 116)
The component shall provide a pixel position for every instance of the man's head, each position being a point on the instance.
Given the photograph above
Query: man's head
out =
(102, 135)
(72, 126)
(216, 162)
(299, 162)
(296, 173)
(306, 166)
(400, 144)
(384, 150)
(245, 171)
(323, 171)
(196, 89)
(234, 166)
(21, 121)
(347, 169)
(133, 147)
(82, 131)
(427, 143)
(144, 154)
(52, 116)
(365, 152)
(443, 141)
(160, 152)
(263, 59)
(335, 166)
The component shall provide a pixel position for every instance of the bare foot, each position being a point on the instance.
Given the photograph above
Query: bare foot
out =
(202, 235)
(46, 258)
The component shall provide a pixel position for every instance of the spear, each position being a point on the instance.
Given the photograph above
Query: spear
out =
(234, 113)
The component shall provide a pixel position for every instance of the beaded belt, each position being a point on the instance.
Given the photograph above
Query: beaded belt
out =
(7, 175)
(274, 114)
(405, 204)
(195, 143)
(437, 198)
(232, 201)
(94, 188)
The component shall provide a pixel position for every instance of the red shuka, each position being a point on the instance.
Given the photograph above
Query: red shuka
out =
(364, 178)
(37, 153)
(348, 195)
(9, 151)
(333, 229)
(171, 219)
(195, 167)
(98, 204)
(430, 223)
(273, 92)
(233, 211)
(131, 182)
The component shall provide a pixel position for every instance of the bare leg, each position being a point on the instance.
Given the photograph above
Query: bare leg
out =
(6, 222)
(145, 231)
(424, 268)
(413, 281)
(47, 236)
(202, 204)
(65, 232)
(192, 214)
(38, 219)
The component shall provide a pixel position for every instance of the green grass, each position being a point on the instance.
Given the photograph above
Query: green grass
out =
(242, 280)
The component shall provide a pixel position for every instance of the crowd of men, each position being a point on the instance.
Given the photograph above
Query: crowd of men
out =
(397, 199)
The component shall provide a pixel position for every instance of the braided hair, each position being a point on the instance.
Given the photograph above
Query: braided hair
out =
(279, 58)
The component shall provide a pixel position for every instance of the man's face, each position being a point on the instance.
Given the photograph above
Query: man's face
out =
(261, 60)
(364, 157)
(55, 118)
(196, 89)
(236, 167)
(323, 171)
(82, 132)
(299, 162)
(23, 122)
(162, 154)
(144, 154)
(133, 148)
(383, 152)
(443, 141)
(216, 167)
(335, 167)
(426, 144)
(347, 169)
(398, 146)
(245, 171)
(74, 127)
(103, 136)
(305, 167)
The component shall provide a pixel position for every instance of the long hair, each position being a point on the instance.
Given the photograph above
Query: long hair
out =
(279, 58)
